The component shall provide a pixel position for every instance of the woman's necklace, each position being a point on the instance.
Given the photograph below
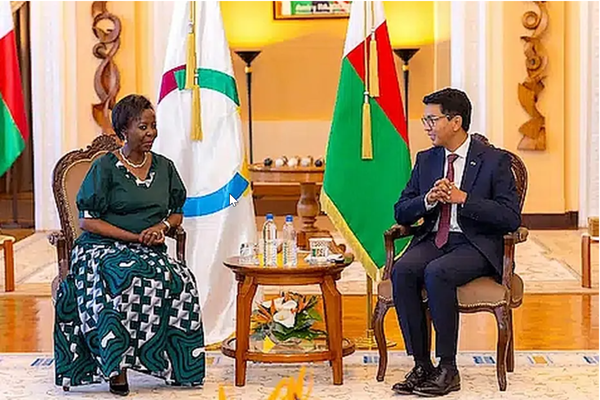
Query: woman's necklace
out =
(132, 164)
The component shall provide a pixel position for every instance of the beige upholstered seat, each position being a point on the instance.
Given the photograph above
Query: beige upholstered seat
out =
(479, 292)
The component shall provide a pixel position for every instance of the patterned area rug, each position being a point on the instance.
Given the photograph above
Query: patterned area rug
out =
(556, 375)
(542, 269)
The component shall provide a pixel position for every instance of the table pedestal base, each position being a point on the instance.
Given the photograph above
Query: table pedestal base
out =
(308, 209)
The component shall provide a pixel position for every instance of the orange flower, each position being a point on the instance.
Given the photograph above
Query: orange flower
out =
(263, 315)
(302, 303)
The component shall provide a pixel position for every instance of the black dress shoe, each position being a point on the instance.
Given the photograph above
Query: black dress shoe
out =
(443, 381)
(121, 390)
(414, 378)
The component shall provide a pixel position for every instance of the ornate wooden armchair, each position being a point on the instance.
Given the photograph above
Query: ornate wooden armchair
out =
(481, 294)
(68, 174)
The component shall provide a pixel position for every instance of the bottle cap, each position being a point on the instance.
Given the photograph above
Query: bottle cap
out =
(289, 218)
(269, 216)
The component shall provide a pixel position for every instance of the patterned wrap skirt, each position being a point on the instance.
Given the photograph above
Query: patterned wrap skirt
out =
(128, 306)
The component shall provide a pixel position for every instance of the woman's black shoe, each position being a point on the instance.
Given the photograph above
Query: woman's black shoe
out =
(121, 390)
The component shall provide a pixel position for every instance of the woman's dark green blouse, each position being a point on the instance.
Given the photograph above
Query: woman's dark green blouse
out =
(111, 193)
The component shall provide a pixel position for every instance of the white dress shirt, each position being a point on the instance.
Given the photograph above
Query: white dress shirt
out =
(459, 168)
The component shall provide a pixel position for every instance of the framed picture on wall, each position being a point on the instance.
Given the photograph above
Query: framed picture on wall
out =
(311, 9)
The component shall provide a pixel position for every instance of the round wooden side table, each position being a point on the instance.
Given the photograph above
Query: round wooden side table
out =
(250, 276)
(308, 206)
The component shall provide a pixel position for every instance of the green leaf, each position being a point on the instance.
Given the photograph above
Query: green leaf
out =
(314, 314)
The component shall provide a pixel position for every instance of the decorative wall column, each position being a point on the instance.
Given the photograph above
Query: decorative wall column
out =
(54, 98)
(495, 73)
(441, 34)
(468, 46)
(588, 150)
(162, 13)
(476, 47)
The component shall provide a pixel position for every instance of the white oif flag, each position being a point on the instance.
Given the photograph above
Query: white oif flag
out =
(218, 213)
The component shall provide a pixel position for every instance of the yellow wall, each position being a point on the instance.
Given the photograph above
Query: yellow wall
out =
(295, 78)
(553, 185)
(85, 67)
(572, 105)
(296, 75)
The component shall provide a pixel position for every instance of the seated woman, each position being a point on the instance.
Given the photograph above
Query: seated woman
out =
(126, 303)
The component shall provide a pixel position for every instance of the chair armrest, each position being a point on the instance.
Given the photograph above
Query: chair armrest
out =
(390, 236)
(510, 240)
(398, 232)
(518, 236)
(58, 240)
(179, 234)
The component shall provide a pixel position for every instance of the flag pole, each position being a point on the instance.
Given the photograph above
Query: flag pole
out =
(367, 342)
(367, 139)
(371, 90)
(192, 79)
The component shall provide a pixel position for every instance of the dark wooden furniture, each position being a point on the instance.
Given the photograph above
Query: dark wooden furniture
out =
(249, 277)
(9, 262)
(591, 236)
(67, 176)
(308, 206)
(481, 294)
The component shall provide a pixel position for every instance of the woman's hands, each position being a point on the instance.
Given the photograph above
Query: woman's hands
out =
(154, 235)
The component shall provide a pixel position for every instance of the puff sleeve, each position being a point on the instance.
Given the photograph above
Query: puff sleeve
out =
(92, 198)
(177, 191)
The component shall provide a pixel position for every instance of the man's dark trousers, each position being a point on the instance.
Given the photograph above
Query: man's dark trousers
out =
(440, 271)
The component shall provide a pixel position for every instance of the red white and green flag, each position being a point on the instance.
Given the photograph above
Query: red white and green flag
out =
(13, 123)
(368, 160)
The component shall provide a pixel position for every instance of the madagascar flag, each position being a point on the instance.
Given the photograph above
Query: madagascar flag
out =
(368, 160)
(13, 124)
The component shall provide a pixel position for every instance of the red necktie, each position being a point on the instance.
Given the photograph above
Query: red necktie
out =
(444, 227)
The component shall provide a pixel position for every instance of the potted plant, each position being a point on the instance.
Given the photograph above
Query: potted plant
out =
(287, 320)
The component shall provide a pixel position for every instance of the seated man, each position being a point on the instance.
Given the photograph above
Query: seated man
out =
(466, 194)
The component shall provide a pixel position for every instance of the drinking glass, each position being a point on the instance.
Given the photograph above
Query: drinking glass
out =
(249, 254)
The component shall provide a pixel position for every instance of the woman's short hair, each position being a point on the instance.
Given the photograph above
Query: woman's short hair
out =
(126, 110)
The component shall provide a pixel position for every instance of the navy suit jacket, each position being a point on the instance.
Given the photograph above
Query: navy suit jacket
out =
(492, 207)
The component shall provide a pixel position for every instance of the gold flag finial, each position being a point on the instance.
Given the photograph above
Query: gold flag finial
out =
(191, 78)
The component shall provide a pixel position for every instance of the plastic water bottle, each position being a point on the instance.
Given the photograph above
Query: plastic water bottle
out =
(290, 249)
(269, 237)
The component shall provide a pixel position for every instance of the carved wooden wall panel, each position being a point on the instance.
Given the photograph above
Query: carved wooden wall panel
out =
(107, 28)
(534, 130)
